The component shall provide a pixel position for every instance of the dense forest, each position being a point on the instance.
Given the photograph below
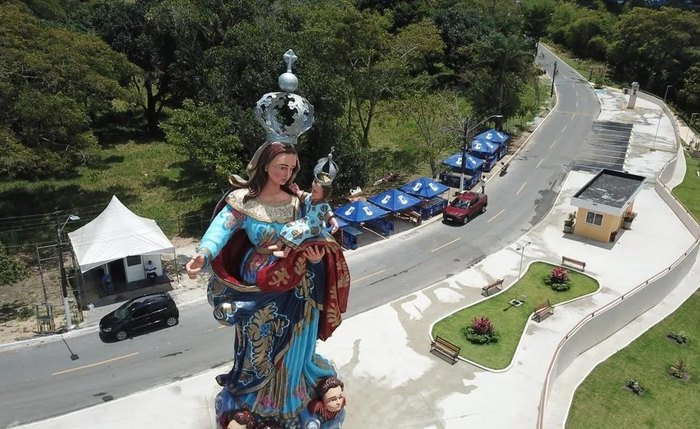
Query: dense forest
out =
(83, 77)
(76, 72)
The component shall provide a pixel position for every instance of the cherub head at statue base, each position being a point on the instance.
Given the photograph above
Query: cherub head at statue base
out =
(326, 411)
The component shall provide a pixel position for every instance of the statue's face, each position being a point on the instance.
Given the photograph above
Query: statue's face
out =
(280, 169)
(333, 399)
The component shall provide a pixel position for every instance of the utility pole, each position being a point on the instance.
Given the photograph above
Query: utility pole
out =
(62, 268)
(464, 154)
(465, 140)
(554, 74)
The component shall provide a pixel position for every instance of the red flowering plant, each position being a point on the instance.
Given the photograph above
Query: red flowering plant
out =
(481, 331)
(558, 279)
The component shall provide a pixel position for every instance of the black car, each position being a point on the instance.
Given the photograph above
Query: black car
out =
(139, 314)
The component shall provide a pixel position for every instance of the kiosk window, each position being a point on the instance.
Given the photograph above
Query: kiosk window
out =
(594, 218)
(133, 260)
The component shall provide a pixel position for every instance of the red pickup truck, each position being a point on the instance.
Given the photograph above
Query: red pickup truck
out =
(464, 207)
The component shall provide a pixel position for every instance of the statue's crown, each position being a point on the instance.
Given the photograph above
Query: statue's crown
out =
(284, 115)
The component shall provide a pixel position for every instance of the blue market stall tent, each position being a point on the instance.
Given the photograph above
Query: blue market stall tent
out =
(496, 137)
(394, 200)
(359, 212)
(486, 151)
(429, 190)
(400, 204)
(362, 212)
(453, 176)
(424, 187)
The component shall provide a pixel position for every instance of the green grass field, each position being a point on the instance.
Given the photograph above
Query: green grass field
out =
(150, 178)
(688, 192)
(602, 401)
(509, 321)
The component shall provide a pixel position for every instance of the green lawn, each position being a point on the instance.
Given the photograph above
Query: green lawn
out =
(688, 192)
(509, 321)
(602, 401)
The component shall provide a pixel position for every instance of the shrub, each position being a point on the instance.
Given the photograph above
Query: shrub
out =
(680, 337)
(481, 331)
(12, 269)
(634, 386)
(679, 369)
(558, 279)
(25, 313)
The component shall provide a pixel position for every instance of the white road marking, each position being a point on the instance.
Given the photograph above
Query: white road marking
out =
(521, 187)
(367, 276)
(95, 364)
(446, 244)
(496, 215)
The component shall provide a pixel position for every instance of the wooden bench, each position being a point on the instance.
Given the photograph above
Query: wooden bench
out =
(493, 287)
(445, 349)
(573, 263)
(543, 311)
(410, 216)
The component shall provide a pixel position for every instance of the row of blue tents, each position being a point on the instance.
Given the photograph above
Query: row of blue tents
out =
(484, 151)
(394, 200)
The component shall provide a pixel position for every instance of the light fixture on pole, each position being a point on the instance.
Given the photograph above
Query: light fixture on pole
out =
(690, 124)
(522, 253)
(653, 143)
(64, 279)
(465, 142)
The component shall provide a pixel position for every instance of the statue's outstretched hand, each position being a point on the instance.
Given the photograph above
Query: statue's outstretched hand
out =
(194, 266)
(314, 254)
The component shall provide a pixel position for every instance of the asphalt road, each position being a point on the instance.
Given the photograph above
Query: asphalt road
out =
(62, 376)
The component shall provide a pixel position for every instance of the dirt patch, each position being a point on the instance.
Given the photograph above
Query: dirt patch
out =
(17, 330)
(21, 298)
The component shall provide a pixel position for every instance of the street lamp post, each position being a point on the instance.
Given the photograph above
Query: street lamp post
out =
(465, 142)
(64, 279)
(690, 124)
(653, 143)
(522, 254)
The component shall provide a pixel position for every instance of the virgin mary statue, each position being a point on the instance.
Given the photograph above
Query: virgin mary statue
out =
(278, 307)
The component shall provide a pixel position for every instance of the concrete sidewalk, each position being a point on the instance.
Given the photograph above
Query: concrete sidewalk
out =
(391, 378)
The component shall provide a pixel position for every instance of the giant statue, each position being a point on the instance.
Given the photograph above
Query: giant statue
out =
(277, 306)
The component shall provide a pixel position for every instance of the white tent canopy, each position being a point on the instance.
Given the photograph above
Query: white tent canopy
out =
(117, 233)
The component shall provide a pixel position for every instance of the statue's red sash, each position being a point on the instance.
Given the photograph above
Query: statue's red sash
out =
(286, 273)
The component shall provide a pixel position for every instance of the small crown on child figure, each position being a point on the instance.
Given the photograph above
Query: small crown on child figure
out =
(284, 115)
(326, 170)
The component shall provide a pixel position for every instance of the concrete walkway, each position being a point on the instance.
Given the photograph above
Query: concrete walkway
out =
(391, 378)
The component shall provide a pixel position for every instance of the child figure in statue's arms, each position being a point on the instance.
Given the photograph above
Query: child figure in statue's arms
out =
(318, 215)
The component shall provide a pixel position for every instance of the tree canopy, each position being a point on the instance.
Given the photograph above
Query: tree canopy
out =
(54, 84)
(193, 69)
